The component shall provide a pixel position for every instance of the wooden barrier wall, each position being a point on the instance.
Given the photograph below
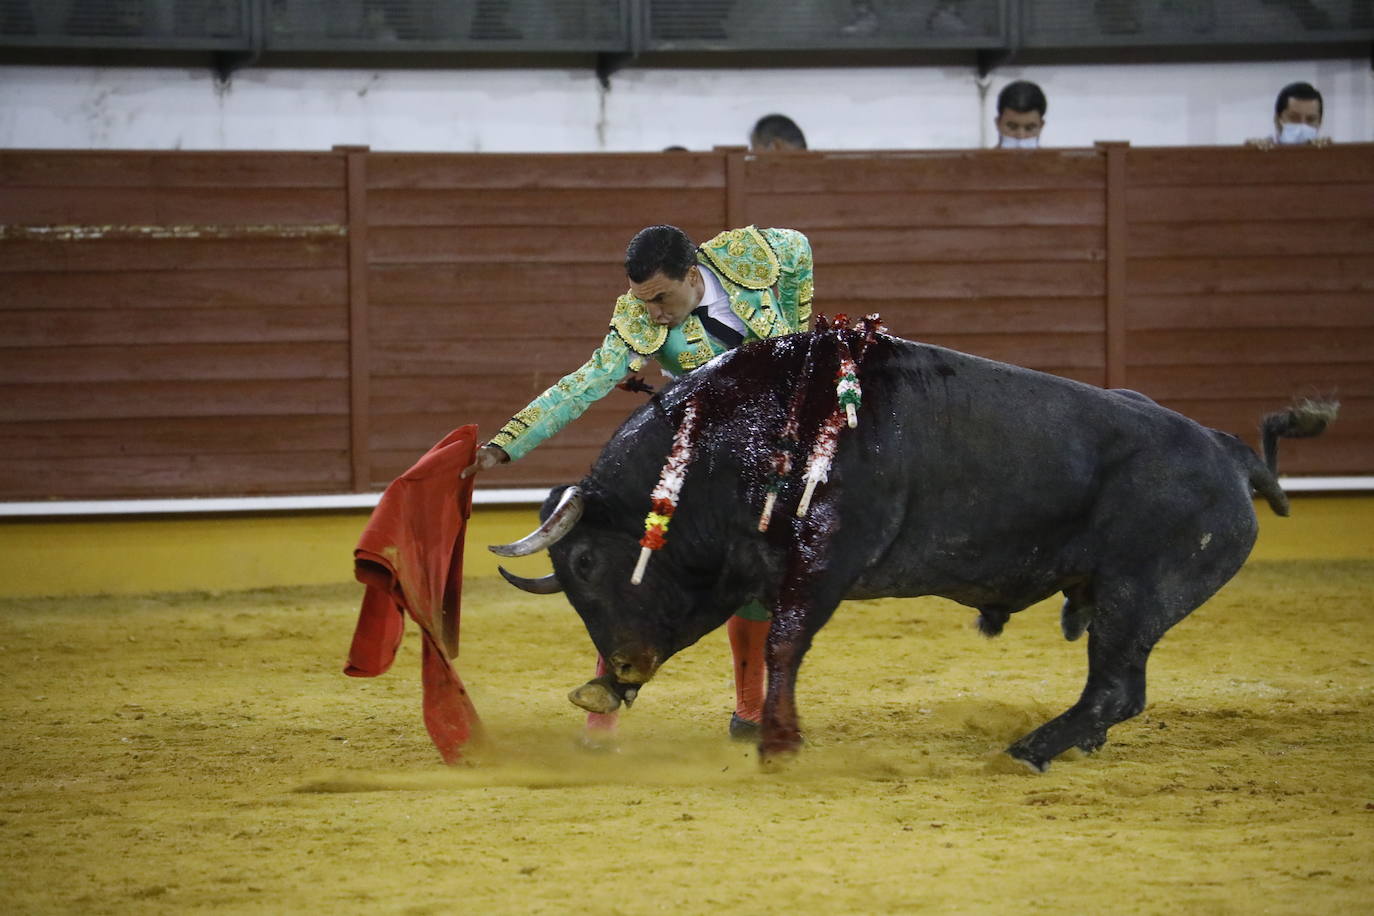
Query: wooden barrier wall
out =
(248, 323)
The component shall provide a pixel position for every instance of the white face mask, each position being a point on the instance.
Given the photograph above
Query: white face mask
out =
(1296, 133)
(1019, 142)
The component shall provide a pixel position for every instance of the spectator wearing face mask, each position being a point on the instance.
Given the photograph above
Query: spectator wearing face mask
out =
(1297, 118)
(1020, 115)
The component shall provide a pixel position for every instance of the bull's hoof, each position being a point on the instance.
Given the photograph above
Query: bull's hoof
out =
(778, 750)
(743, 729)
(1092, 743)
(1030, 762)
(595, 696)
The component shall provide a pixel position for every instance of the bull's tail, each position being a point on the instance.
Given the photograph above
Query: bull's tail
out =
(1308, 417)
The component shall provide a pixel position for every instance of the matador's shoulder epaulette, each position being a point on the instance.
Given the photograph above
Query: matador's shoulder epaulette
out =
(744, 257)
(632, 322)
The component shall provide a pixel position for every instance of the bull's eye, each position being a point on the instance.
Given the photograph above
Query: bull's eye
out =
(583, 562)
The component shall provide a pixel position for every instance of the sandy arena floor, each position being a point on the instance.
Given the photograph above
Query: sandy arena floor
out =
(186, 753)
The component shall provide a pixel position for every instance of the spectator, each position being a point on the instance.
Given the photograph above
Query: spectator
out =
(1297, 115)
(776, 132)
(1297, 119)
(1021, 110)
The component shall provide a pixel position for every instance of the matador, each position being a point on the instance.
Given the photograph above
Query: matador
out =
(685, 305)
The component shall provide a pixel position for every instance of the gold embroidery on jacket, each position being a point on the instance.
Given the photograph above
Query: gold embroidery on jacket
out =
(744, 257)
(700, 352)
(632, 322)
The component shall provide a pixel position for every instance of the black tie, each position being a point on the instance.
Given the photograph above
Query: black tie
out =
(718, 329)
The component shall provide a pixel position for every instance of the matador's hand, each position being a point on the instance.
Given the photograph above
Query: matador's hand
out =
(488, 456)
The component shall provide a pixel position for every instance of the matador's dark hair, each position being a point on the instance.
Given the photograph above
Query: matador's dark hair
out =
(665, 248)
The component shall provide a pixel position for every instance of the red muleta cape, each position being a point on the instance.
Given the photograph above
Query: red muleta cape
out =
(410, 557)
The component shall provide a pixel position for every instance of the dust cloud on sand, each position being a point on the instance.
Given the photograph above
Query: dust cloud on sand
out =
(186, 753)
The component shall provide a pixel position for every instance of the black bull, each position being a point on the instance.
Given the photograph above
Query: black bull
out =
(981, 482)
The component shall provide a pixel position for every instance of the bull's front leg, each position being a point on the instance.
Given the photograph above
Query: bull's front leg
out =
(787, 644)
(807, 596)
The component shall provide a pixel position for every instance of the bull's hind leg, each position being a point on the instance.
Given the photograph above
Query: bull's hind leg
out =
(1124, 627)
(1117, 652)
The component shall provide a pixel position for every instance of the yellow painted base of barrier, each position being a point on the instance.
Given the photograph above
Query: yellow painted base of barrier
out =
(138, 555)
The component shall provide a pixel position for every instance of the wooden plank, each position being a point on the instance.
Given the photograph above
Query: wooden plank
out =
(176, 362)
(1251, 238)
(359, 342)
(173, 254)
(546, 466)
(96, 327)
(161, 436)
(900, 172)
(594, 171)
(461, 357)
(1168, 276)
(1260, 346)
(570, 209)
(417, 431)
(497, 245)
(1343, 163)
(926, 208)
(553, 285)
(956, 280)
(966, 244)
(1250, 310)
(1356, 415)
(1254, 202)
(173, 289)
(111, 400)
(980, 315)
(473, 320)
(171, 206)
(484, 400)
(149, 169)
(118, 476)
(736, 186)
(1269, 383)
(1327, 457)
(1035, 351)
(1114, 305)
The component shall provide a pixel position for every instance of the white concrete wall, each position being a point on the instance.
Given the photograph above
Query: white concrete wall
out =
(647, 109)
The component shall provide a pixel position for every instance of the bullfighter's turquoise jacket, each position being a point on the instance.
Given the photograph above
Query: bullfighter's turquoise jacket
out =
(767, 275)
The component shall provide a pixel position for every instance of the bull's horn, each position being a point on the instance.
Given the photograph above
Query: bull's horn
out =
(559, 523)
(544, 585)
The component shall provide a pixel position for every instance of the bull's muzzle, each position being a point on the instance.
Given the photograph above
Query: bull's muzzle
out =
(633, 667)
(620, 685)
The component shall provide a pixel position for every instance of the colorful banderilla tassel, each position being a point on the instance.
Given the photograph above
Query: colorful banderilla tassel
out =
(781, 468)
(847, 390)
(780, 464)
(665, 494)
(822, 454)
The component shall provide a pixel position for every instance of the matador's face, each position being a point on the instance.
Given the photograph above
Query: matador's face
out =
(670, 301)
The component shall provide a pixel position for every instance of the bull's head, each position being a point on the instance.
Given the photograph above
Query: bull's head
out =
(689, 588)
